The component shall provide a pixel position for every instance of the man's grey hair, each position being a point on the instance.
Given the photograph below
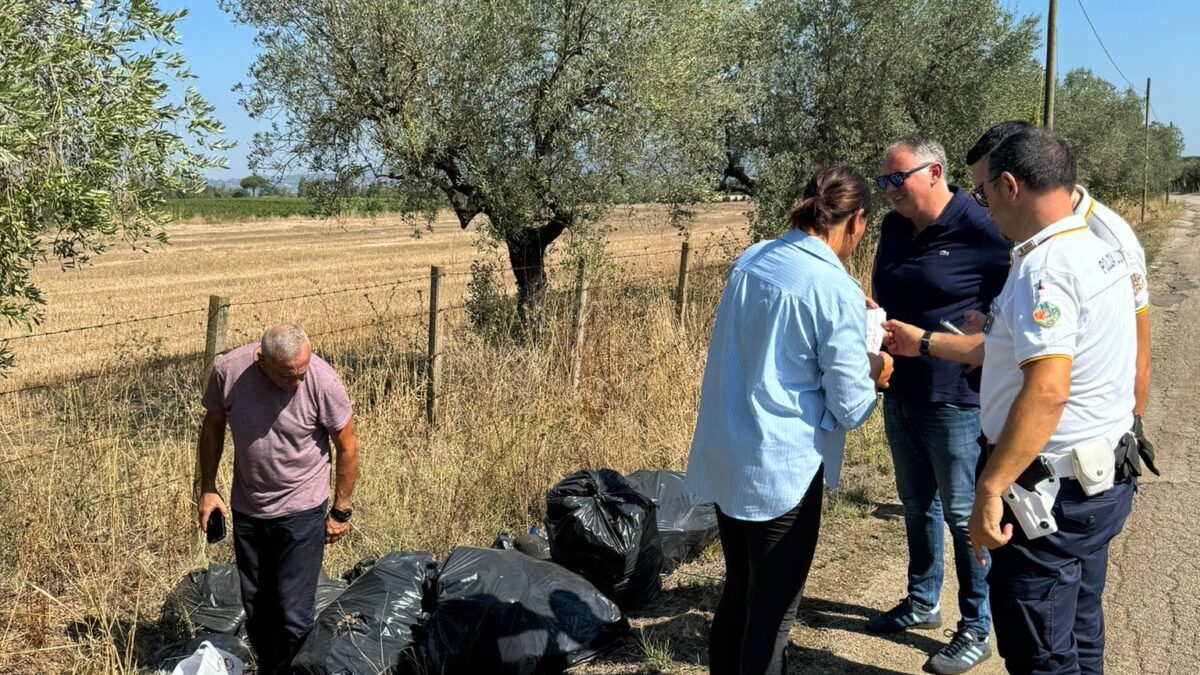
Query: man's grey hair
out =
(283, 342)
(924, 147)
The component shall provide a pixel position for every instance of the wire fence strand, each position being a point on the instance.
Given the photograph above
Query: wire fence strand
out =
(123, 322)
(305, 296)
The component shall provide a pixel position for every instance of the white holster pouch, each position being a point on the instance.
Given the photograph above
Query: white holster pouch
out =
(1095, 465)
(1033, 508)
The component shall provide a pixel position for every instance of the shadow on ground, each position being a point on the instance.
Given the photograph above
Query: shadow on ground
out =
(673, 634)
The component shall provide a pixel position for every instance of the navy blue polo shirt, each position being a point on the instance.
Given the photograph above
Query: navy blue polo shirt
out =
(959, 262)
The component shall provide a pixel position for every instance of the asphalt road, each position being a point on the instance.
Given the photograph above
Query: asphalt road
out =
(1153, 594)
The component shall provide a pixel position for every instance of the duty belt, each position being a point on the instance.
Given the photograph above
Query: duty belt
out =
(1059, 465)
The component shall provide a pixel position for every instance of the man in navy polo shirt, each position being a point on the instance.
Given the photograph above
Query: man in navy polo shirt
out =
(939, 256)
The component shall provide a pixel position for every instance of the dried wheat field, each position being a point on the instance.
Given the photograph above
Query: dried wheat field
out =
(261, 260)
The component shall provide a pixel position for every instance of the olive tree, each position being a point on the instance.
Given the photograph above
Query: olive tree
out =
(837, 81)
(1106, 128)
(90, 138)
(537, 115)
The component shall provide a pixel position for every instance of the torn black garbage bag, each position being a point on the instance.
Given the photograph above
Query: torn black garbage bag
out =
(505, 613)
(207, 600)
(368, 629)
(605, 530)
(166, 658)
(686, 525)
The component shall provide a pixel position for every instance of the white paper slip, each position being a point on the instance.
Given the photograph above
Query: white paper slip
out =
(875, 318)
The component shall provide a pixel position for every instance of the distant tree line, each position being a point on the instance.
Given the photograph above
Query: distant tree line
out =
(1188, 179)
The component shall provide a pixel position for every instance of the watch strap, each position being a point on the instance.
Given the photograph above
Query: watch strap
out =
(924, 346)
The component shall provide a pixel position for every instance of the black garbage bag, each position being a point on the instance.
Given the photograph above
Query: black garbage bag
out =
(165, 659)
(504, 542)
(360, 568)
(531, 544)
(504, 613)
(368, 629)
(605, 530)
(328, 590)
(207, 600)
(686, 525)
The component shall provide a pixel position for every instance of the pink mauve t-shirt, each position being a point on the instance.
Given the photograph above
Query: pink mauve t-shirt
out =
(280, 438)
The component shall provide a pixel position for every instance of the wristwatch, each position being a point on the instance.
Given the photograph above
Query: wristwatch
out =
(924, 347)
(340, 515)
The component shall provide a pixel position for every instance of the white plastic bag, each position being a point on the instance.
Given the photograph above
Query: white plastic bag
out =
(209, 660)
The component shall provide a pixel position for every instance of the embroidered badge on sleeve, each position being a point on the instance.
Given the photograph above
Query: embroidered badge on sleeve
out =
(1046, 314)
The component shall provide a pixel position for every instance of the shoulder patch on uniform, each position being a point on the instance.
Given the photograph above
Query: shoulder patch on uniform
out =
(1046, 314)
(1139, 282)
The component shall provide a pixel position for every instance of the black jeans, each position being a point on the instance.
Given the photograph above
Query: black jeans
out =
(279, 561)
(766, 565)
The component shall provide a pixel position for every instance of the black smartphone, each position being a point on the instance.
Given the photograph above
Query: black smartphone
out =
(216, 526)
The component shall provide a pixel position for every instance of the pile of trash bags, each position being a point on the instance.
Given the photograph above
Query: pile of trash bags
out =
(530, 604)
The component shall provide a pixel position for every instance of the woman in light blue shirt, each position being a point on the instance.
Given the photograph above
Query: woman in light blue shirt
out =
(788, 373)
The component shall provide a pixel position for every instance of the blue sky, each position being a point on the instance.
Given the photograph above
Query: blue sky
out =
(1155, 38)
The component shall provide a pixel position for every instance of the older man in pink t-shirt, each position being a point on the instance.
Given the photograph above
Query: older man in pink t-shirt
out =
(284, 405)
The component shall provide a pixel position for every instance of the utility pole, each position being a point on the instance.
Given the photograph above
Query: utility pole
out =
(1051, 43)
(1146, 174)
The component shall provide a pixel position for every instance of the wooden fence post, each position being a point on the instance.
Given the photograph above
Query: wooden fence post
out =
(433, 363)
(218, 328)
(578, 322)
(215, 340)
(682, 288)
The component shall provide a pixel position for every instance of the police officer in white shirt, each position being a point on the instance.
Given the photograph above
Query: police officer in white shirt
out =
(1112, 228)
(1057, 402)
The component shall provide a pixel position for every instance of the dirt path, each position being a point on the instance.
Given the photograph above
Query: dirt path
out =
(1153, 607)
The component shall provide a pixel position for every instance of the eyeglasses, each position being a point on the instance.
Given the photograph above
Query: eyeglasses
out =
(979, 196)
(897, 179)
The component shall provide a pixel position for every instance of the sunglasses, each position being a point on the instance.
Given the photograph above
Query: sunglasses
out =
(897, 179)
(979, 196)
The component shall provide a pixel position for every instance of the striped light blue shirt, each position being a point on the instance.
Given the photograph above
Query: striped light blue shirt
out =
(787, 375)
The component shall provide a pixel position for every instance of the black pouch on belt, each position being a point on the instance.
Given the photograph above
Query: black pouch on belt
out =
(1129, 463)
(1145, 449)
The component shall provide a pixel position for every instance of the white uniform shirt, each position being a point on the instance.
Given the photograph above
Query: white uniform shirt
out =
(1067, 295)
(1114, 231)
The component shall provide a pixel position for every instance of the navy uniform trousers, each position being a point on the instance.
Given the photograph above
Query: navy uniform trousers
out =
(1046, 592)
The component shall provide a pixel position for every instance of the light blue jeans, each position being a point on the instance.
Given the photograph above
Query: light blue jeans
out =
(935, 450)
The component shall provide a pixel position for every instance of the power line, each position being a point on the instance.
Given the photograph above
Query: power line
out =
(1153, 112)
(1102, 46)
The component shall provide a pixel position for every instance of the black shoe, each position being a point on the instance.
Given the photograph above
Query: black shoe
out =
(964, 652)
(907, 614)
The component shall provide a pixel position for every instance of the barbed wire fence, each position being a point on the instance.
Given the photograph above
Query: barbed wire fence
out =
(625, 272)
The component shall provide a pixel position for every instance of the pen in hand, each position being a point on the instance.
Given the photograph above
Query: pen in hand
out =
(950, 327)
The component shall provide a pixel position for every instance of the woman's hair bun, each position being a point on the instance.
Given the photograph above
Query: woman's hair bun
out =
(831, 195)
